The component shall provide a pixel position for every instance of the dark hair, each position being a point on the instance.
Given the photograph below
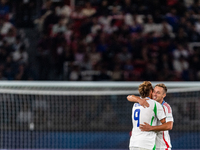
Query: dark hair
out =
(145, 88)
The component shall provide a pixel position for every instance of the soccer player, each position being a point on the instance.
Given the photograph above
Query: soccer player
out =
(162, 139)
(145, 140)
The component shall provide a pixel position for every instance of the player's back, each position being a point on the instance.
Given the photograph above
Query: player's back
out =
(150, 115)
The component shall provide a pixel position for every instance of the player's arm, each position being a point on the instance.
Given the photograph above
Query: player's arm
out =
(163, 127)
(167, 123)
(160, 113)
(137, 99)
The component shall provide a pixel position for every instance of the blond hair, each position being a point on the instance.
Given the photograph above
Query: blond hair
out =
(145, 88)
(162, 86)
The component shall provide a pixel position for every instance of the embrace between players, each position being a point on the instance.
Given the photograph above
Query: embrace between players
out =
(151, 118)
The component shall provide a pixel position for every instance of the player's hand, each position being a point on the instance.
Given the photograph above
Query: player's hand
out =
(145, 127)
(143, 102)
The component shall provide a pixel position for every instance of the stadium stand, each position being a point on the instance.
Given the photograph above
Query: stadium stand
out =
(103, 41)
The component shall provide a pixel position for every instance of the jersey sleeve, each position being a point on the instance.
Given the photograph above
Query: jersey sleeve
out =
(168, 112)
(160, 114)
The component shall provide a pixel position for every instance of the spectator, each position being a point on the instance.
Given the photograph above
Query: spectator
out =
(111, 28)
(104, 30)
(94, 56)
(74, 73)
(173, 19)
(86, 64)
(124, 55)
(105, 20)
(4, 8)
(50, 19)
(63, 10)
(88, 10)
(165, 26)
(46, 10)
(181, 37)
(115, 9)
(180, 51)
(61, 26)
(18, 42)
(165, 63)
(21, 56)
(150, 26)
(117, 74)
(96, 27)
(5, 26)
(180, 65)
(22, 72)
(193, 35)
(10, 37)
(80, 54)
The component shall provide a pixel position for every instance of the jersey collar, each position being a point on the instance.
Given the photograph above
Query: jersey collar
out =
(163, 103)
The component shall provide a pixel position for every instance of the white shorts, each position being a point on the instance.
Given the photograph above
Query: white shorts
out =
(138, 148)
(163, 148)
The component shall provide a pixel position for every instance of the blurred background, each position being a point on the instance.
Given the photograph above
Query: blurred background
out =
(87, 115)
(94, 40)
(100, 40)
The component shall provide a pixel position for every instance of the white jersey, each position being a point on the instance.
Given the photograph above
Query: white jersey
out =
(163, 138)
(150, 115)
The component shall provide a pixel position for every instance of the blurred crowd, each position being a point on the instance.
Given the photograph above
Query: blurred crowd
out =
(14, 57)
(101, 40)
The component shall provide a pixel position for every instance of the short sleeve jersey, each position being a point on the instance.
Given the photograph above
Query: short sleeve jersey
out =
(163, 138)
(150, 115)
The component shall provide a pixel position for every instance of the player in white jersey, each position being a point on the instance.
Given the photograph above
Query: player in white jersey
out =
(162, 139)
(145, 140)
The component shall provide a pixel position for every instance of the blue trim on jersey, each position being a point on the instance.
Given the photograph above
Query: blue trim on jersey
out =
(163, 103)
(137, 104)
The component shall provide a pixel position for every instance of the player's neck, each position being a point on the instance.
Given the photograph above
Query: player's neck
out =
(161, 101)
(150, 96)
